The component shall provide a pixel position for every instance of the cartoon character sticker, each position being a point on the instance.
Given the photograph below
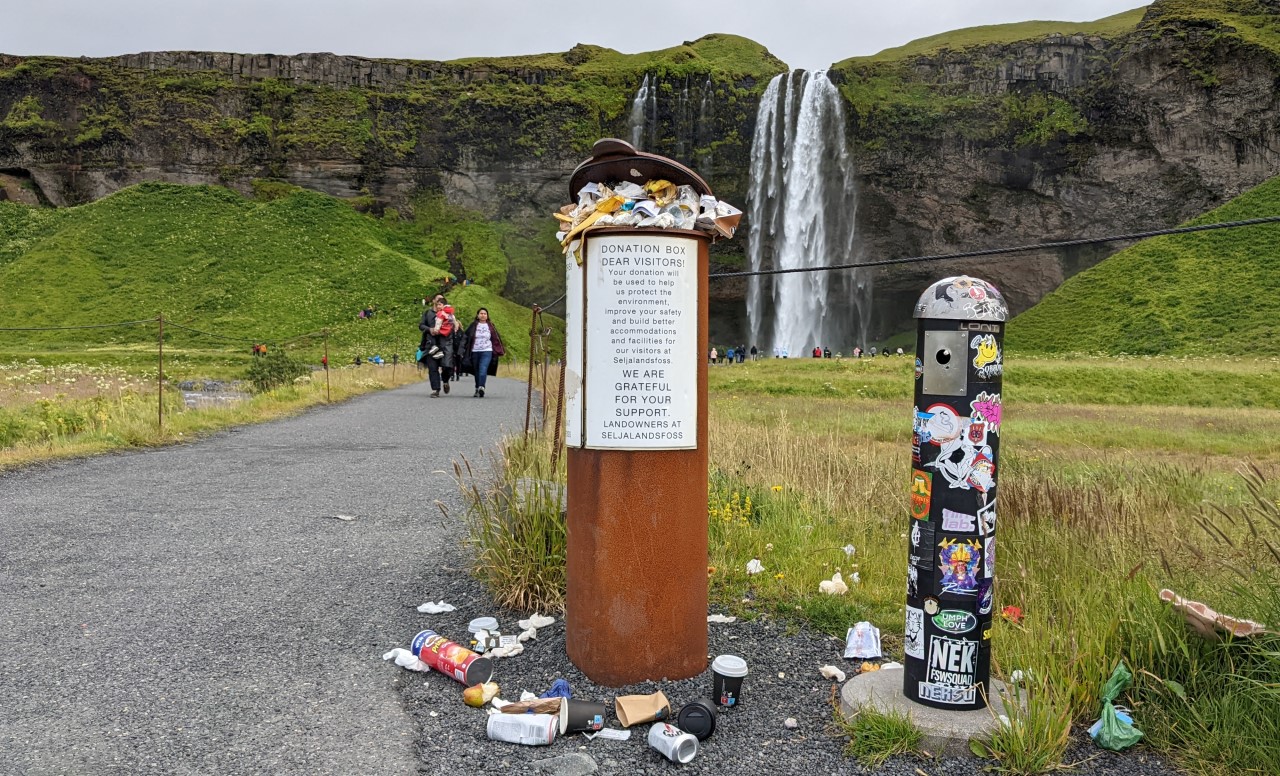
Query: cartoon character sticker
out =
(939, 424)
(985, 596)
(986, 407)
(913, 581)
(913, 636)
(989, 557)
(921, 494)
(987, 516)
(958, 560)
(987, 359)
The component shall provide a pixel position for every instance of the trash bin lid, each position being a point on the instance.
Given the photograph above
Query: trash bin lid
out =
(616, 160)
(697, 717)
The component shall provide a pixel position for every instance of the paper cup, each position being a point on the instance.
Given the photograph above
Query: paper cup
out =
(578, 716)
(727, 673)
(638, 709)
(674, 744)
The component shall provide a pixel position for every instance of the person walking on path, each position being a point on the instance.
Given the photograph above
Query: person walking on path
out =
(436, 348)
(484, 348)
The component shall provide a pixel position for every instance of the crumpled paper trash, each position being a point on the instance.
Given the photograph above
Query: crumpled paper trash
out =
(754, 566)
(406, 659)
(834, 586)
(436, 608)
(831, 672)
(1207, 622)
(536, 621)
(720, 618)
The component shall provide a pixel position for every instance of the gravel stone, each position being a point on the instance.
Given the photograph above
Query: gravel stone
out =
(184, 610)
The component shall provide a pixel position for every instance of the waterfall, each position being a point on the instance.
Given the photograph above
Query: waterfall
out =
(701, 135)
(643, 120)
(802, 209)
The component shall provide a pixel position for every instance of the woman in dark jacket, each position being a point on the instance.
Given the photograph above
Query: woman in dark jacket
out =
(484, 346)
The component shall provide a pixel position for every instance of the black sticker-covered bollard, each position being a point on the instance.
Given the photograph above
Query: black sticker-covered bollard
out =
(955, 447)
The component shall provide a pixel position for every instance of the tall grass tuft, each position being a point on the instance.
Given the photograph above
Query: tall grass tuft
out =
(516, 525)
(875, 736)
(1033, 735)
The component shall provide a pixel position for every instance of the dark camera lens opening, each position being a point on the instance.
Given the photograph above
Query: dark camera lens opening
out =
(943, 356)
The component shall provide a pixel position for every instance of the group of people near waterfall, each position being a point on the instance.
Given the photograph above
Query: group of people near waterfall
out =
(448, 351)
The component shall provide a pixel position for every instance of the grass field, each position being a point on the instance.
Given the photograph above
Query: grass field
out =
(1118, 477)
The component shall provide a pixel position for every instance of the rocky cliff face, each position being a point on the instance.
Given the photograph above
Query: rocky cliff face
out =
(1062, 137)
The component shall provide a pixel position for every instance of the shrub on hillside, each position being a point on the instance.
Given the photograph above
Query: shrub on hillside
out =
(274, 369)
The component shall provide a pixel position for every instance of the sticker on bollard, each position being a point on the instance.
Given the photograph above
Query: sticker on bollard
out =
(452, 659)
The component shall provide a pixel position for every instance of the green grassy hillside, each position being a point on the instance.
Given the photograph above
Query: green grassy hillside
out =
(1002, 34)
(211, 259)
(1207, 292)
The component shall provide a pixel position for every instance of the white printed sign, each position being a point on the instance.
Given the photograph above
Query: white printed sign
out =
(641, 351)
(575, 308)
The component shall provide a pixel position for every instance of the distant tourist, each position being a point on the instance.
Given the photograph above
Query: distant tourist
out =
(755, 353)
(872, 351)
(826, 352)
(714, 355)
(900, 353)
(436, 348)
(857, 352)
(483, 349)
(729, 354)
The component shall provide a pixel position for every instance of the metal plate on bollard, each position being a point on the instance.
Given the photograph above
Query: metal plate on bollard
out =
(945, 373)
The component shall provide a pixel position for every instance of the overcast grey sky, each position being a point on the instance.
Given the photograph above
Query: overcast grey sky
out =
(803, 33)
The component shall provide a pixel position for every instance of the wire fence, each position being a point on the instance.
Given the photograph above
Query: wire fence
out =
(312, 347)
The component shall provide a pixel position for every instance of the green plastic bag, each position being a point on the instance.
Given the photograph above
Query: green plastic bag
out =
(1115, 730)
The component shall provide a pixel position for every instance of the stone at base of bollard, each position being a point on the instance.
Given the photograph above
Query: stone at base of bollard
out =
(945, 732)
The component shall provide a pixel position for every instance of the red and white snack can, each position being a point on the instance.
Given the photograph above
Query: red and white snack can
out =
(452, 659)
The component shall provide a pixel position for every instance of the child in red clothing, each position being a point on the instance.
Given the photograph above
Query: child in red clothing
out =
(447, 321)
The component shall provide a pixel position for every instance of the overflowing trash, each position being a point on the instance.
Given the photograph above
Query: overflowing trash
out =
(674, 744)
(1208, 623)
(831, 672)
(480, 694)
(436, 607)
(1114, 729)
(406, 659)
(658, 204)
(834, 586)
(862, 642)
(538, 720)
(639, 709)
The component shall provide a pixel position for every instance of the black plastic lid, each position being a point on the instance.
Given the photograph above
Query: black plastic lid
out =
(698, 718)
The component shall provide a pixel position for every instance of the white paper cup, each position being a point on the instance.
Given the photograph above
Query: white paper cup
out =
(674, 744)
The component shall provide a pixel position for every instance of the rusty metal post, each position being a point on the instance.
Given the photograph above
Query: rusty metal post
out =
(160, 376)
(636, 545)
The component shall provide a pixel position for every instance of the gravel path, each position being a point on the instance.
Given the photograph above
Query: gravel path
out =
(201, 609)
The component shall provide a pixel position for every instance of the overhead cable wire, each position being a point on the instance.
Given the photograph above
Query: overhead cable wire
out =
(1010, 249)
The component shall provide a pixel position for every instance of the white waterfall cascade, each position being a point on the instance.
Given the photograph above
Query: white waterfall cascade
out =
(643, 121)
(803, 210)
